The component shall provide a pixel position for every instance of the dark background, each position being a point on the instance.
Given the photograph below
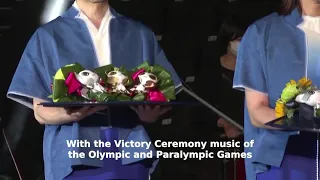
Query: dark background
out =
(190, 33)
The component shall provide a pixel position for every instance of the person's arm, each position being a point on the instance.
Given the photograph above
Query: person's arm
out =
(58, 116)
(30, 84)
(250, 76)
(258, 107)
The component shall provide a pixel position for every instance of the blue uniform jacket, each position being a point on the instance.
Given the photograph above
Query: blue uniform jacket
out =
(66, 40)
(271, 53)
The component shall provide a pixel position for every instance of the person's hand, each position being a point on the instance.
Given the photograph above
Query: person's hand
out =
(57, 116)
(230, 130)
(76, 114)
(221, 123)
(148, 114)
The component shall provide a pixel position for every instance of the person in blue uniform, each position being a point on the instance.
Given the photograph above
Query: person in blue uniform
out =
(92, 34)
(274, 50)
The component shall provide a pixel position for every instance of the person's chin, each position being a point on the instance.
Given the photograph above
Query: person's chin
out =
(97, 1)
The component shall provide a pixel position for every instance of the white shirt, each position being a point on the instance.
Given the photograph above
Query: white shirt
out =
(100, 37)
(311, 23)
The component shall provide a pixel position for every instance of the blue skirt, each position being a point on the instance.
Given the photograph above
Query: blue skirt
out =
(113, 169)
(299, 162)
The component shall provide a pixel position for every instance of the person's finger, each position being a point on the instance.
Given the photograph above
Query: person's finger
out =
(70, 110)
(228, 123)
(84, 112)
(223, 135)
(228, 135)
(155, 109)
(78, 112)
(238, 133)
(233, 134)
(147, 108)
(165, 110)
(141, 108)
(219, 125)
(134, 108)
(221, 122)
(93, 110)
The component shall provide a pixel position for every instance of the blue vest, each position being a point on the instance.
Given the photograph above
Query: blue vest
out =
(272, 52)
(66, 40)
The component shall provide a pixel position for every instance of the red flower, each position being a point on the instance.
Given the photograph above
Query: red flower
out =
(101, 82)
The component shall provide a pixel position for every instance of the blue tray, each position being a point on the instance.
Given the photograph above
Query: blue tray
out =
(119, 103)
(296, 123)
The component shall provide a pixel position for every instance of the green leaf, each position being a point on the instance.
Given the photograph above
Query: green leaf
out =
(170, 93)
(63, 72)
(157, 69)
(78, 99)
(290, 116)
(123, 70)
(290, 113)
(64, 99)
(101, 97)
(103, 71)
(139, 97)
(289, 121)
(128, 74)
(59, 75)
(318, 113)
(71, 68)
(165, 83)
(91, 95)
(123, 97)
(167, 88)
(145, 65)
(59, 89)
(130, 80)
(112, 97)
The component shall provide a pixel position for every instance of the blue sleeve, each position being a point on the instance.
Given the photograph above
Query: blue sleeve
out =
(161, 59)
(30, 79)
(251, 64)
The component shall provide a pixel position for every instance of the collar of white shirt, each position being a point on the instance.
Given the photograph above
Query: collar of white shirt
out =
(104, 23)
(82, 15)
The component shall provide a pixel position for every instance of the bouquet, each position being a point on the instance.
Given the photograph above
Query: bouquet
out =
(74, 83)
(299, 96)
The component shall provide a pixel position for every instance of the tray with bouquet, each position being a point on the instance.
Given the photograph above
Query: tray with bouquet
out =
(298, 108)
(75, 86)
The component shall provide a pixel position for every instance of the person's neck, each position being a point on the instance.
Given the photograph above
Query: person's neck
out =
(310, 8)
(94, 11)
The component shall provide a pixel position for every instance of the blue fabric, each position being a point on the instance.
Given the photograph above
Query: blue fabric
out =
(113, 169)
(272, 52)
(66, 40)
(299, 162)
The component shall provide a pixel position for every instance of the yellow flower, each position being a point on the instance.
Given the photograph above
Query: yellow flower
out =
(280, 109)
(304, 82)
(291, 82)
